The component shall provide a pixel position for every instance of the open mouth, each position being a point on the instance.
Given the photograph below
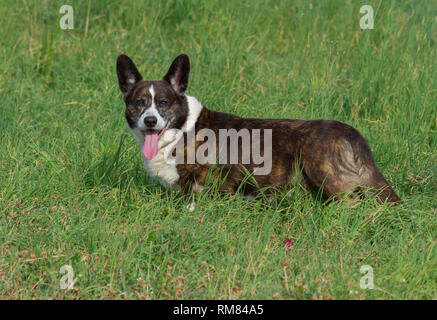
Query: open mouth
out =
(151, 138)
(151, 131)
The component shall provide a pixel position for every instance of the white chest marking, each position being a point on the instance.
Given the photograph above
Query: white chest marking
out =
(160, 166)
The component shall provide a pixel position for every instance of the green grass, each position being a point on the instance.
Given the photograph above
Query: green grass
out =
(73, 190)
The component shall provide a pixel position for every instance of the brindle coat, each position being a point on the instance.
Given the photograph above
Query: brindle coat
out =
(325, 154)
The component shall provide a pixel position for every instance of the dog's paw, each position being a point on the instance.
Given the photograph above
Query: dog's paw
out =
(191, 207)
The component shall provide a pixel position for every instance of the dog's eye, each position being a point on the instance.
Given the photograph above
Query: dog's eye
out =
(141, 101)
(163, 103)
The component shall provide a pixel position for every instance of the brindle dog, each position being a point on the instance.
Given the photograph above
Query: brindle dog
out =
(328, 155)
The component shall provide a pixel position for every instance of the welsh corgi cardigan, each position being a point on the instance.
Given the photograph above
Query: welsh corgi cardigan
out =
(323, 154)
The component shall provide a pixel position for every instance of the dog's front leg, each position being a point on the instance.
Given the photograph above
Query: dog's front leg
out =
(191, 194)
(191, 206)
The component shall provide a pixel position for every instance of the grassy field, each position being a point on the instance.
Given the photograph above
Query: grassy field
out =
(73, 190)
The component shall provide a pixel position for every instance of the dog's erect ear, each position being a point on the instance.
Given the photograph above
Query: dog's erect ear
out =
(177, 75)
(128, 74)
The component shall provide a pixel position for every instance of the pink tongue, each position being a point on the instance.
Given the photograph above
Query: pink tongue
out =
(150, 147)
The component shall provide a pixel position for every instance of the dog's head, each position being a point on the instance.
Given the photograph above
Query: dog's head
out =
(154, 106)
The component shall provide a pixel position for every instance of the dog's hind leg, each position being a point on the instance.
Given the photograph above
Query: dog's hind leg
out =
(371, 178)
(361, 170)
(347, 170)
(376, 184)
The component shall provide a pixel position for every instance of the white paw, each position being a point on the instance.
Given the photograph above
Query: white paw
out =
(190, 207)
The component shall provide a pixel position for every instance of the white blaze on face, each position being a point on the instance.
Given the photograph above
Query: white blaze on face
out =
(162, 165)
(151, 135)
(151, 111)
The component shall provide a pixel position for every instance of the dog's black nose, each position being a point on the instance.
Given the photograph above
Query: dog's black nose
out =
(150, 121)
